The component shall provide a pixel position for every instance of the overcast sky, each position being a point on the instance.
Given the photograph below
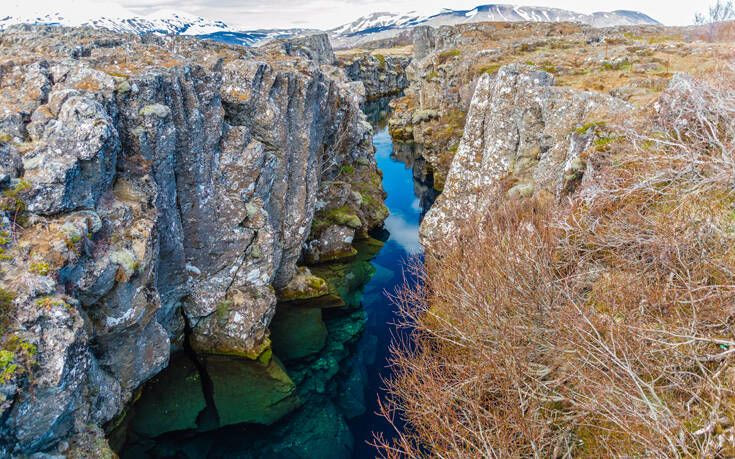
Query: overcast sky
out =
(331, 13)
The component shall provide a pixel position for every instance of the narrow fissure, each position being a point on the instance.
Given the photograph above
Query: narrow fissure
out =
(208, 418)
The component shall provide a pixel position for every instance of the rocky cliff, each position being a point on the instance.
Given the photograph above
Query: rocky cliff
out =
(158, 190)
(381, 75)
(523, 134)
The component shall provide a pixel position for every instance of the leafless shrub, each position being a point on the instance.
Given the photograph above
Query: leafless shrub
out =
(718, 13)
(603, 328)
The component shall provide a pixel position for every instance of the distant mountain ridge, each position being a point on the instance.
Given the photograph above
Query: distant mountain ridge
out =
(367, 28)
(385, 25)
(113, 17)
(119, 20)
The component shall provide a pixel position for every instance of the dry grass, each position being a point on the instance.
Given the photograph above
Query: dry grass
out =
(354, 53)
(601, 327)
(88, 84)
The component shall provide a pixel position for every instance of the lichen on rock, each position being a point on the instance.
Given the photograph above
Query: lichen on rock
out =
(520, 130)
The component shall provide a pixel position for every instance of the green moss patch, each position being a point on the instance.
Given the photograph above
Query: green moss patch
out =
(490, 69)
(12, 200)
(381, 60)
(7, 308)
(343, 215)
(590, 125)
(40, 267)
(444, 56)
(17, 357)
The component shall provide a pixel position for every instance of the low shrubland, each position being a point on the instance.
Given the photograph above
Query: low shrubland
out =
(599, 324)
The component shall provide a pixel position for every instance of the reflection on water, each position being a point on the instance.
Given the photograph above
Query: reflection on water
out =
(334, 355)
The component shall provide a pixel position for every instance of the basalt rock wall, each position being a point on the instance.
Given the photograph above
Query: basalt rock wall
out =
(382, 76)
(154, 188)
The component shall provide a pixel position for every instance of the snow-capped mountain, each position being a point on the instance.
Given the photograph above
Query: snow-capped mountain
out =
(107, 15)
(378, 22)
(367, 28)
(114, 17)
(385, 25)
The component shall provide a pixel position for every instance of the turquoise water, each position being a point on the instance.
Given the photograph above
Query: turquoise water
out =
(336, 357)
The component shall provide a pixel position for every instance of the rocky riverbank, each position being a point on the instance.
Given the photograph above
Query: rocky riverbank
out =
(578, 261)
(157, 189)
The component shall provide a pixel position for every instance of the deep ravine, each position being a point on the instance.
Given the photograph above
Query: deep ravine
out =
(337, 387)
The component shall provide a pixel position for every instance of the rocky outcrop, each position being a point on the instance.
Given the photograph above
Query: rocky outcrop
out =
(524, 134)
(630, 63)
(154, 185)
(315, 47)
(381, 75)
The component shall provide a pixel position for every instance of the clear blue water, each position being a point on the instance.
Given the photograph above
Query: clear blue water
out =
(339, 387)
(402, 225)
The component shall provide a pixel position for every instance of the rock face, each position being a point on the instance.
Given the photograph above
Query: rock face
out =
(381, 75)
(315, 47)
(525, 131)
(153, 185)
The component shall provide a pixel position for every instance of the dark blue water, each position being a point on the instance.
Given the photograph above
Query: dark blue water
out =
(338, 387)
(402, 226)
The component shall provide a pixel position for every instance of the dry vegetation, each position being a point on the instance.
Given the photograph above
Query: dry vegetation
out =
(597, 327)
(348, 55)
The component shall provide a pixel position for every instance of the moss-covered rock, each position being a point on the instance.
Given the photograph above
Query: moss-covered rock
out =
(333, 243)
(401, 133)
(158, 110)
(349, 252)
(303, 286)
(345, 279)
(343, 215)
(522, 190)
(420, 116)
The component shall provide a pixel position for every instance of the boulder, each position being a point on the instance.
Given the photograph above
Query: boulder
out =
(519, 126)
(274, 398)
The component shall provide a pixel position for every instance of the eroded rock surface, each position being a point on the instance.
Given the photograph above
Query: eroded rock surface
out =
(525, 131)
(153, 184)
(381, 75)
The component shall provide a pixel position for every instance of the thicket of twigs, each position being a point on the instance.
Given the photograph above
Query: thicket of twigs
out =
(601, 326)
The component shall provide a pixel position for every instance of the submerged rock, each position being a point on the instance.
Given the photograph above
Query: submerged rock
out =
(317, 432)
(346, 278)
(234, 383)
(172, 401)
(297, 331)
